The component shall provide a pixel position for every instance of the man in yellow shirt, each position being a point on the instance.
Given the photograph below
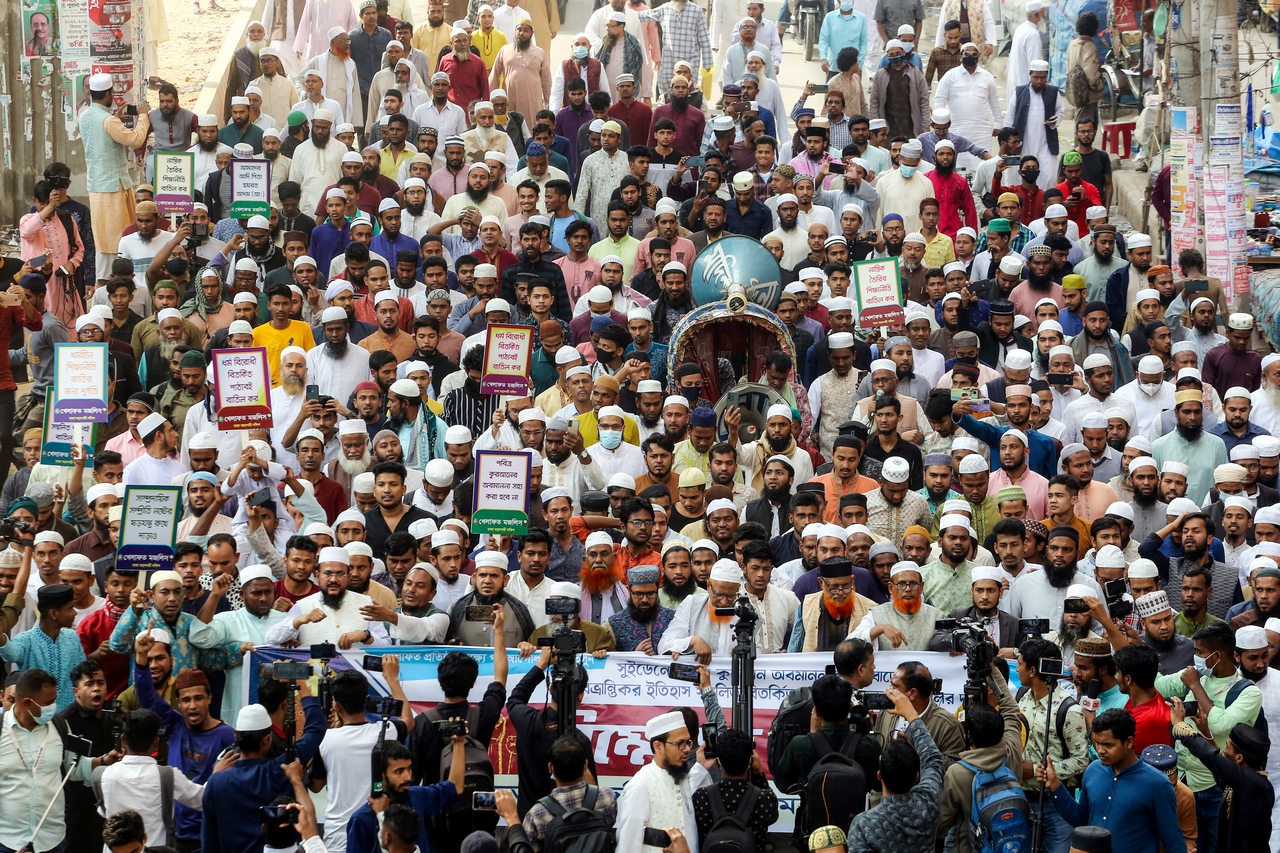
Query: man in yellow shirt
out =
(281, 330)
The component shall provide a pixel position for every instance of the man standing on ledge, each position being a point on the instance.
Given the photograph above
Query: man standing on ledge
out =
(106, 139)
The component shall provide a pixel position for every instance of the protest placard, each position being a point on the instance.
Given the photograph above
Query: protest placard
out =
(80, 383)
(148, 528)
(501, 504)
(250, 188)
(56, 443)
(241, 387)
(878, 291)
(175, 182)
(508, 354)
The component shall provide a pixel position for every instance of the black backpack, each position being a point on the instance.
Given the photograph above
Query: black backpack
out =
(580, 830)
(836, 787)
(791, 721)
(460, 817)
(729, 832)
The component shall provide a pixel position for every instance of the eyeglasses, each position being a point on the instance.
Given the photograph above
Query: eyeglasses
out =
(684, 743)
(641, 522)
(907, 586)
(841, 587)
(722, 596)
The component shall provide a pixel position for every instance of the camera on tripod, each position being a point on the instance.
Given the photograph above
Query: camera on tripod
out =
(113, 716)
(969, 637)
(741, 608)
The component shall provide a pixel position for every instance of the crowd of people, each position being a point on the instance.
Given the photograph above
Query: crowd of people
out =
(1065, 444)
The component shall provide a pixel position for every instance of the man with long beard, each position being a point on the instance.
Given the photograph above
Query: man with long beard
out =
(521, 69)
(640, 627)
(697, 628)
(1073, 626)
(678, 582)
(603, 592)
(336, 365)
(1148, 510)
(905, 621)
(825, 618)
(331, 615)
(1040, 595)
(776, 441)
(660, 794)
(287, 397)
(1266, 400)
(1191, 445)
(354, 456)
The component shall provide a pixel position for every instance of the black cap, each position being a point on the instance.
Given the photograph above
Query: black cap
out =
(1091, 839)
(1252, 743)
(54, 595)
(145, 398)
(811, 486)
(835, 567)
(1003, 308)
(33, 282)
(595, 502)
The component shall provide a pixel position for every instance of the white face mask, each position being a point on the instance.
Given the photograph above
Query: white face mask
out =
(1150, 388)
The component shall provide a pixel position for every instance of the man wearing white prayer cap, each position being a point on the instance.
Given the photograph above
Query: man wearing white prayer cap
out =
(660, 794)
(332, 615)
(599, 638)
(905, 621)
(1027, 92)
(696, 629)
(987, 589)
(249, 624)
(776, 440)
(489, 589)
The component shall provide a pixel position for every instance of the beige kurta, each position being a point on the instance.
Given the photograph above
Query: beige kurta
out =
(525, 76)
(545, 15)
(430, 40)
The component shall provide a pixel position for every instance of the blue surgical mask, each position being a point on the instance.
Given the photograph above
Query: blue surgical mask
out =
(907, 171)
(580, 52)
(846, 8)
(1203, 667)
(46, 715)
(611, 438)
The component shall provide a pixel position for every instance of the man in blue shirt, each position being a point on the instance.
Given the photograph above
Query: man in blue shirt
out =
(254, 780)
(1120, 792)
(426, 800)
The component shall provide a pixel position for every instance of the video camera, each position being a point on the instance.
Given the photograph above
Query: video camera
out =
(969, 637)
(1113, 592)
(1032, 629)
(566, 644)
(11, 527)
(747, 616)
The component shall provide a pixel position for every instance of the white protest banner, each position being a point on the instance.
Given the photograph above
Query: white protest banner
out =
(242, 385)
(80, 383)
(58, 439)
(624, 691)
(508, 355)
(175, 182)
(148, 528)
(501, 504)
(879, 292)
(250, 188)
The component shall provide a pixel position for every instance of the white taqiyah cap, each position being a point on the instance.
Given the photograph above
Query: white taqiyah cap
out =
(1143, 568)
(439, 475)
(1109, 557)
(257, 571)
(334, 554)
(598, 537)
(253, 718)
(663, 724)
(726, 571)
(1079, 590)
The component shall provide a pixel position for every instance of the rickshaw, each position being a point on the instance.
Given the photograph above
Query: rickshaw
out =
(735, 284)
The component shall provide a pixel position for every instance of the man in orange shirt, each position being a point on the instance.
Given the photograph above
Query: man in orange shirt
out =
(389, 336)
(844, 477)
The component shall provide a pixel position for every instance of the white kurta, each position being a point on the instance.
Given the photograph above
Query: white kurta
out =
(1035, 140)
(974, 101)
(312, 38)
(1024, 48)
(343, 620)
(626, 459)
(652, 798)
(692, 619)
(777, 613)
(574, 476)
(317, 168)
(338, 377)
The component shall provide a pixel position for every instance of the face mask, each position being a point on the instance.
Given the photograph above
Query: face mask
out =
(1030, 175)
(1149, 388)
(897, 61)
(691, 394)
(970, 62)
(846, 8)
(1203, 667)
(603, 357)
(45, 716)
(472, 386)
(611, 438)
(579, 52)
(907, 171)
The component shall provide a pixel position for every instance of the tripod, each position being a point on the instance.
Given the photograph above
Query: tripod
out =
(1037, 817)
(743, 661)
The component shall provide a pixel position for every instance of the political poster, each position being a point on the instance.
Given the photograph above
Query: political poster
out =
(501, 492)
(58, 439)
(508, 355)
(148, 528)
(175, 182)
(37, 28)
(80, 383)
(250, 188)
(878, 291)
(242, 388)
(624, 691)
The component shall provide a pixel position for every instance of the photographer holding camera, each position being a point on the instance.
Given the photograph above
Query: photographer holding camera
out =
(1041, 699)
(565, 600)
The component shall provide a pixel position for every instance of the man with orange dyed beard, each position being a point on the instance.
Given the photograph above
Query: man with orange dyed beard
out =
(905, 621)
(603, 592)
(696, 628)
(825, 618)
